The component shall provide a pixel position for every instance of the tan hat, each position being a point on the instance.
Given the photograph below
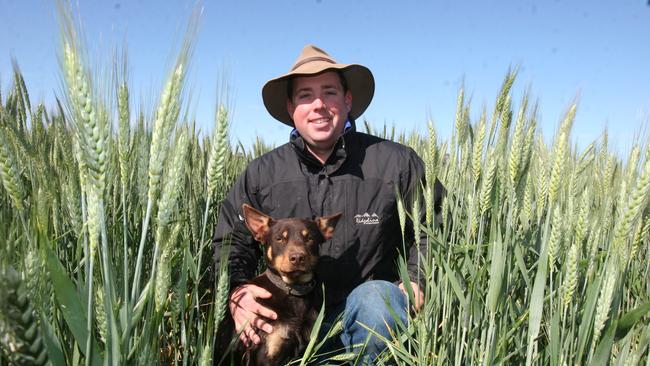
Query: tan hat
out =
(312, 61)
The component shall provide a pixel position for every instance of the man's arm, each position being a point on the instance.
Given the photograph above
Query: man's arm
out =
(231, 233)
(243, 256)
(412, 182)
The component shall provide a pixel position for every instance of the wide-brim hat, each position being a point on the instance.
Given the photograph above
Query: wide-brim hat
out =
(313, 61)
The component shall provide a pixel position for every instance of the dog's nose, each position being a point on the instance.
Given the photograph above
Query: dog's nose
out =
(296, 258)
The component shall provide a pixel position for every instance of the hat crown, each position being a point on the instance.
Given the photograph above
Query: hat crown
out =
(313, 61)
(311, 53)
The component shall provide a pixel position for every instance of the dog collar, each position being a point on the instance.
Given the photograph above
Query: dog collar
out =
(299, 289)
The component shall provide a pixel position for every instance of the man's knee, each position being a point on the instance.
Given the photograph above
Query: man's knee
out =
(375, 304)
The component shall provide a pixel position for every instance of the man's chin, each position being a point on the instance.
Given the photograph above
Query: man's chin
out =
(322, 141)
(322, 137)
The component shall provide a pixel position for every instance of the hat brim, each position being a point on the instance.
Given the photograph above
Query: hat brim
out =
(359, 79)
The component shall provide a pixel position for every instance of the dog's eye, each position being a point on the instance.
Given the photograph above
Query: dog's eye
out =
(279, 238)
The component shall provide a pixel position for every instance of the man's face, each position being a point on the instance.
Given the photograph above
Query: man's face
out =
(319, 108)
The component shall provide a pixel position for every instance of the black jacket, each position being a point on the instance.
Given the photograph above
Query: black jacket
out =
(360, 179)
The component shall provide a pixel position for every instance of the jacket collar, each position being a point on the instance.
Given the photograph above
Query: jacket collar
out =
(335, 160)
(296, 289)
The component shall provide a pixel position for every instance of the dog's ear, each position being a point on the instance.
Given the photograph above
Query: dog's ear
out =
(257, 222)
(326, 225)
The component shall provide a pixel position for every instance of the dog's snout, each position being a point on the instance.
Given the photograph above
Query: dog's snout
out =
(297, 258)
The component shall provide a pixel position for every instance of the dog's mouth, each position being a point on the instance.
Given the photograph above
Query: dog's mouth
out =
(296, 277)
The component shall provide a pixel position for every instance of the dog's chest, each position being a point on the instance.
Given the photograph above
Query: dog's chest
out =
(292, 328)
(278, 339)
(287, 341)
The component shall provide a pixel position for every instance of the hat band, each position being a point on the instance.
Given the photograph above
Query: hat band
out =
(310, 59)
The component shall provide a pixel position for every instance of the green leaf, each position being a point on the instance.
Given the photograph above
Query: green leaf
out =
(644, 341)
(554, 341)
(455, 285)
(138, 309)
(406, 279)
(497, 266)
(537, 304)
(630, 319)
(604, 348)
(314, 333)
(194, 272)
(70, 305)
(586, 323)
(52, 343)
(521, 264)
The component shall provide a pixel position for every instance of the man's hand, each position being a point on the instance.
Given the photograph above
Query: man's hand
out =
(418, 295)
(248, 314)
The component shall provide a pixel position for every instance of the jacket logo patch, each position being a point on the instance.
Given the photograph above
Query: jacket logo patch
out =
(366, 219)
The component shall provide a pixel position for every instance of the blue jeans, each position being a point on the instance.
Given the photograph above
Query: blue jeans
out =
(368, 304)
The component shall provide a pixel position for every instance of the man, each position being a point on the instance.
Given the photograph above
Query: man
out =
(326, 168)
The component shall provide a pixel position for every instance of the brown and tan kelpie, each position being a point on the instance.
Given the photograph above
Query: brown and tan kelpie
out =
(290, 249)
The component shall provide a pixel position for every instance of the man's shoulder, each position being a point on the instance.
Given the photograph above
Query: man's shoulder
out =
(279, 164)
(375, 146)
(276, 156)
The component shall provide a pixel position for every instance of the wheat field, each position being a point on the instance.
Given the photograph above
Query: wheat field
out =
(106, 214)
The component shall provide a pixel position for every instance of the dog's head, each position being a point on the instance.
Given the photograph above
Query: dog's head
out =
(290, 245)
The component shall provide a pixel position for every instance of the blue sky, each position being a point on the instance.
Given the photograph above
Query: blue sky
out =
(420, 52)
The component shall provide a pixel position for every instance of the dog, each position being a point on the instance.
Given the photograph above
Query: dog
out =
(290, 249)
